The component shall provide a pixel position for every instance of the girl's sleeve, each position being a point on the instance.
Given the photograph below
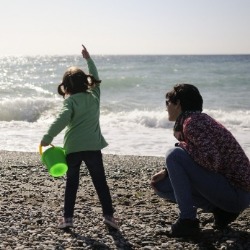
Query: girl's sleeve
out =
(93, 71)
(92, 68)
(60, 123)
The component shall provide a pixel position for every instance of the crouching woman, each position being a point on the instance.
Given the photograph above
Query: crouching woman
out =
(207, 169)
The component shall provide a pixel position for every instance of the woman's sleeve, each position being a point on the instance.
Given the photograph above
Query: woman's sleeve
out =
(196, 132)
(192, 131)
(201, 142)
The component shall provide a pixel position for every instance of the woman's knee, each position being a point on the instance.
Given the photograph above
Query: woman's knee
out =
(173, 155)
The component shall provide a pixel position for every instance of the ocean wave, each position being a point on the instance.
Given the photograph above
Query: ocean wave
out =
(45, 110)
(24, 109)
(159, 119)
(135, 118)
(37, 89)
(236, 119)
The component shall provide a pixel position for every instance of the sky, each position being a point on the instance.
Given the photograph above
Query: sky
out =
(117, 27)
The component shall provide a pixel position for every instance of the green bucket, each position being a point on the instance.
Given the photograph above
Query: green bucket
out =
(54, 159)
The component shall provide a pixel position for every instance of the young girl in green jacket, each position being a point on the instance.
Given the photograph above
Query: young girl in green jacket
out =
(83, 139)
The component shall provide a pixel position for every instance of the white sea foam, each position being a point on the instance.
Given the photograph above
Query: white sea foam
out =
(134, 132)
(150, 133)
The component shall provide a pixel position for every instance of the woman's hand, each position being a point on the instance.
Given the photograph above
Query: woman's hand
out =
(85, 53)
(158, 177)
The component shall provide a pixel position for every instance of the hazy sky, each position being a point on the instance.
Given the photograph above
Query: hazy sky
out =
(30, 27)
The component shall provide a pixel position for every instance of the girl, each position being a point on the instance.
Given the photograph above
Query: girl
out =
(83, 139)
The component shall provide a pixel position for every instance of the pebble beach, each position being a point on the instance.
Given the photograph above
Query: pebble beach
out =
(31, 202)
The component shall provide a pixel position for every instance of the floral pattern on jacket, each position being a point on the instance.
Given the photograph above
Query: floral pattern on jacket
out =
(213, 147)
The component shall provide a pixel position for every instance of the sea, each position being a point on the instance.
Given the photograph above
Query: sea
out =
(134, 119)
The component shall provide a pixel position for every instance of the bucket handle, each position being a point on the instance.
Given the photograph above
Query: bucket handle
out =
(41, 150)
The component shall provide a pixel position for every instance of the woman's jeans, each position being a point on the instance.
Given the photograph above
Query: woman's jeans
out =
(94, 163)
(191, 187)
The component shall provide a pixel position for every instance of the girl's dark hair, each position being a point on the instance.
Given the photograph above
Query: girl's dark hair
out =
(76, 81)
(188, 95)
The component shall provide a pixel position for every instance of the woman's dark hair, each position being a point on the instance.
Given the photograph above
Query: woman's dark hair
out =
(188, 95)
(76, 81)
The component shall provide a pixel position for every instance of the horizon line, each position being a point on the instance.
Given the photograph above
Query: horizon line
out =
(174, 54)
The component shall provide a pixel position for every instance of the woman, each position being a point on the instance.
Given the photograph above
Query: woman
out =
(83, 139)
(207, 169)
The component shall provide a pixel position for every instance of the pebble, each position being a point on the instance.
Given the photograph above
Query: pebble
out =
(30, 210)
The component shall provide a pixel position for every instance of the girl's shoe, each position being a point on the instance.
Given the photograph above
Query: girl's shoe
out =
(111, 221)
(65, 223)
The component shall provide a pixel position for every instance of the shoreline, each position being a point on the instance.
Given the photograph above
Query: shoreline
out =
(31, 202)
